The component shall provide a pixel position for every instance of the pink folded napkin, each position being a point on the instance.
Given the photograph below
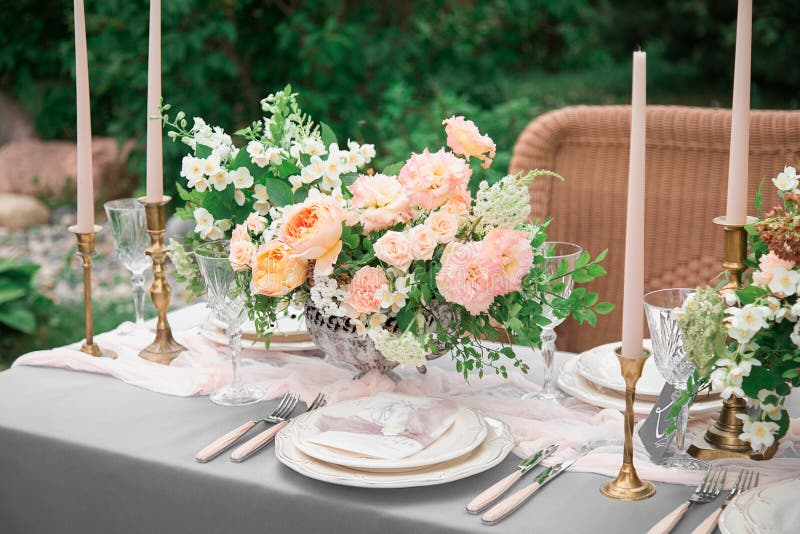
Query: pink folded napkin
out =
(388, 426)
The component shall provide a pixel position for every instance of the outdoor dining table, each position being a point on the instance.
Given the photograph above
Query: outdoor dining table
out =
(88, 453)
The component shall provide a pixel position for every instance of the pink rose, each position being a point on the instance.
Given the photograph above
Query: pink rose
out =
(240, 234)
(769, 261)
(423, 242)
(466, 276)
(512, 250)
(394, 248)
(464, 138)
(313, 229)
(443, 225)
(256, 223)
(459, 204)
(381, 200)
(364, 288)
(241, 254)
(431, 179)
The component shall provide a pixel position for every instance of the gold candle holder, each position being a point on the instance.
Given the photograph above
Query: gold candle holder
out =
(628, 486)
(164, 348)
(721, 440)
(85, 253)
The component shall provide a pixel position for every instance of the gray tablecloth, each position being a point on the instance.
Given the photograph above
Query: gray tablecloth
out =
(87, 453)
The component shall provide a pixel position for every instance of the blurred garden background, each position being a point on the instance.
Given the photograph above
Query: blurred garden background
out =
(379, 72)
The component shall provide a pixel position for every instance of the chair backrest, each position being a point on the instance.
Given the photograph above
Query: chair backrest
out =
(686, 183)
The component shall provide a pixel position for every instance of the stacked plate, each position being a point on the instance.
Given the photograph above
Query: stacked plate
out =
(595, 377)
(290, 334)
(470, 445)
(769, 509)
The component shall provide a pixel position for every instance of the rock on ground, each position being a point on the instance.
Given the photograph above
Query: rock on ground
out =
(22, 211)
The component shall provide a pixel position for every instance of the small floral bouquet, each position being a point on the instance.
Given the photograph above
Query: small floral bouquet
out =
(409, 257)
(747, 343)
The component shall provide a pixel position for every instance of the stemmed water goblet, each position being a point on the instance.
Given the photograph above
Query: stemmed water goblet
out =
(129, 231)
(555, 253)
(671, 362)
(226, 297)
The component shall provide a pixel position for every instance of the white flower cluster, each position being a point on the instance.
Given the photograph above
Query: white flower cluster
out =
(327, 296)
(506, 204)
(760, 434)
(202, 173)
(207, 227)
(404, 349)
(213, 137)
(328, 171)
(747, 321)
(787, 181)
(728, 375)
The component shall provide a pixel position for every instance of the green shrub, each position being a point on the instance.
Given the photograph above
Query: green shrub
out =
(386, 72)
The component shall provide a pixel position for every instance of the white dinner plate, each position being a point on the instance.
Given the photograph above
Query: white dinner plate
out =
(492, 451)
(291, 327)
(574, 384)
(766, 510)
(212, 333)
(465, 434)
(600, 366)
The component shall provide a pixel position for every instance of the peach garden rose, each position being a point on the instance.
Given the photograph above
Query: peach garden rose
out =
(466, 276)
(313, 229)
(364, 290)
(432, 178)
(423, 242)
(277, 270)
(464, 138)
(443, 225)
(381, 201)
(394, 248)
(512, 249)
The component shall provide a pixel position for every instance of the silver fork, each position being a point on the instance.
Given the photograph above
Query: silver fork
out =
(746, 480)
(708, 490)
(223, 443)
(255, 444)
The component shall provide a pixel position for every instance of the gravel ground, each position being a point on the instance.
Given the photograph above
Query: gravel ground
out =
(61, 276)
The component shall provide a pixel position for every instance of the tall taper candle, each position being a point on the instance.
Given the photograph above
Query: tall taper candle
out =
(155, 178)
(736, 212)
(83, 176)
(632, 303)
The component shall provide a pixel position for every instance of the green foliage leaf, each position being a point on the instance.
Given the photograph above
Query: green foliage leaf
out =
(280, 193)
(749, 294)
(203, 151)
(17, 318)
(328, 137)
(603, 308)
(393, 169)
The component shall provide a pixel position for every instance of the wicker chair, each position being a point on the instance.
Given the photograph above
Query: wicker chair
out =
(687, 169)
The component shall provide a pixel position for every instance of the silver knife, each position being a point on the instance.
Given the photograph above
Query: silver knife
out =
(510, 504)
(491, 494)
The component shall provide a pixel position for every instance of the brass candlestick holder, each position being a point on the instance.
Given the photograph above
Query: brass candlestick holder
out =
(164, 348)
(721, 440)
(85, 253)
(628, 486)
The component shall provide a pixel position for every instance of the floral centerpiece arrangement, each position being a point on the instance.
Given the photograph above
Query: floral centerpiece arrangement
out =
(747, 344)
(410, 258)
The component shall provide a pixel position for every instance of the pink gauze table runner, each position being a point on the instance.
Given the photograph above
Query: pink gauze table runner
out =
(534, 424)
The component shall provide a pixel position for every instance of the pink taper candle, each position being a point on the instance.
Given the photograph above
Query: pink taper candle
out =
(632, 303)
(736, 212)
(83, 176)
(155, 178)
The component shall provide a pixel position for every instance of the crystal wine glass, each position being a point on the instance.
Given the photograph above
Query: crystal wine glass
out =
(555, 252)
(671, 361)
(129, 231)
(227, 300)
